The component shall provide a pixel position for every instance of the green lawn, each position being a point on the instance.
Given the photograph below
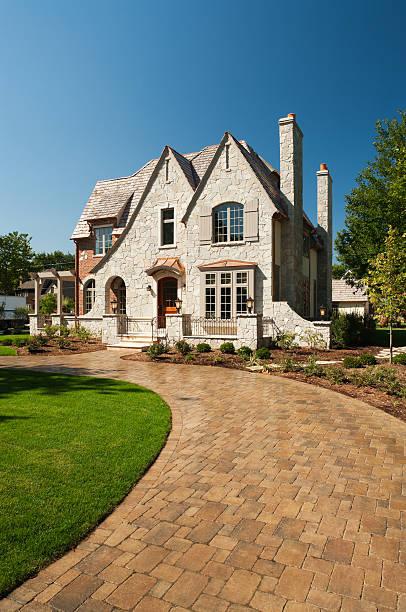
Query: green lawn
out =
(7, 350)
(71, 447)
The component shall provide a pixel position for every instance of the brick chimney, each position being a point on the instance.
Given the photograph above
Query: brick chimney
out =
(291, 185)
(325, 231)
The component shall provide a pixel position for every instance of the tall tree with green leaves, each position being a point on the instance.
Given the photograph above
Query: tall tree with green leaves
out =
(15, 260)
(56, 259)
(386, 281)
(378, 201)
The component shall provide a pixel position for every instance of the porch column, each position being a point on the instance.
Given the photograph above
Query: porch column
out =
(37, 294)
(59, 286)
(173, 327)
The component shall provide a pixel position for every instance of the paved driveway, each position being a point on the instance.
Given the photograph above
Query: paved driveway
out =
(269, 495)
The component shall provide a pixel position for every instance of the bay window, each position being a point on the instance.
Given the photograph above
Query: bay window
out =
(225, 293)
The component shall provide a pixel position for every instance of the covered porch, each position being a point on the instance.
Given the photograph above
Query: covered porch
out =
(37, 319)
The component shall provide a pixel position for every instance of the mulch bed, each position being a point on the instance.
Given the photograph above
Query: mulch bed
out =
(77, 346)
(390, 404)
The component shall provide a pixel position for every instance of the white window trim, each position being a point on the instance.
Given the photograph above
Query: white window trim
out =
(160, 222)
(217, 285)
(95, 227)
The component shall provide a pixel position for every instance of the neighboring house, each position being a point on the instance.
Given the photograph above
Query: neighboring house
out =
(10, 303)
(212, 244)
(26, 289)
(349, 299)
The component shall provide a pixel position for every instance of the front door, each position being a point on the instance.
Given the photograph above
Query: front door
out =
(167, 294)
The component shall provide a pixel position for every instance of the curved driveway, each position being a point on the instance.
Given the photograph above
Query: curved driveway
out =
(270, 494)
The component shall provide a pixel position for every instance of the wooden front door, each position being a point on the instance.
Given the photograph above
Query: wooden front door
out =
(167, 294)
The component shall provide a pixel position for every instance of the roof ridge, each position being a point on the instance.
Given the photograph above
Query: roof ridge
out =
(122, 178)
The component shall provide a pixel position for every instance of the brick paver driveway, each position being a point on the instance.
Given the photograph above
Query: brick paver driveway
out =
(269, 495)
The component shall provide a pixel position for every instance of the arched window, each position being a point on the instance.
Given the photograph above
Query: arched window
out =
(228, 223)
(88, 295)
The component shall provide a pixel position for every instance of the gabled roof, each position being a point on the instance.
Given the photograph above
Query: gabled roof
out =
(342, 291)
(117, 199)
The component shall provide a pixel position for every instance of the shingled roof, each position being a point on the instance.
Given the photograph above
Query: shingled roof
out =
(116, 199)
(344, 292)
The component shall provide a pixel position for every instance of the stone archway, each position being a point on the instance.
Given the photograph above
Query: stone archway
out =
(116, 296)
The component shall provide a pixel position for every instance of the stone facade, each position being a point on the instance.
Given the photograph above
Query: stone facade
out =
(235, 175)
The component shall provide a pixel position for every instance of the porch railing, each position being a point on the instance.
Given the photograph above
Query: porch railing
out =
(199, 326)
(141, 326)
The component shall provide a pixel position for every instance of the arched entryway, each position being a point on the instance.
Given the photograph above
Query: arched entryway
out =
(116, 296)
(166, 296)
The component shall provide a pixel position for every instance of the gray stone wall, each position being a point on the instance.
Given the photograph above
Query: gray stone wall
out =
(285, 319)
(325, 231)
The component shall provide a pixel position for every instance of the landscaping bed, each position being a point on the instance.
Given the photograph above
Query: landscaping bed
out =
(54, 340)
(387, 383)
(71, 447)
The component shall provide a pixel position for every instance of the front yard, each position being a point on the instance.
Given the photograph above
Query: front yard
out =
(71, 447)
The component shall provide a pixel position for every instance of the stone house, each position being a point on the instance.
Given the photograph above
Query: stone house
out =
(209, 246)
(348, 298)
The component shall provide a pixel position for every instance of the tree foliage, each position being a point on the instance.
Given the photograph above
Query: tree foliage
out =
(55, 259)
(378, 201)
(338, 271)
(15, 260)
(48, 304)
(386, 279)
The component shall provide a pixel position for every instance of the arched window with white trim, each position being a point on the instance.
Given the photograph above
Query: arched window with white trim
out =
(228, 223)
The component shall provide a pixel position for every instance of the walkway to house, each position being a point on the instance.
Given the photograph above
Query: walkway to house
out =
(270, 494)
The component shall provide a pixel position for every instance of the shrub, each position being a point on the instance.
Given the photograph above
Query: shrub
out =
(245, 352)
(286, 340)
(313, 369)
(154, 350)
(21, 313)
(183, 347)
(34, 345)
(68, 304)
(368, 359)
(218, 360)
(189, 358)
(314, 339)
(400, 359)
(290, 365)
(63, 342)
(227, 348)
(47, 304)
(41, 339)
(18, 342)
(347, 330)
(336, 375)
(64, 331)
(51, 331)
(382, 378)
(263, 353)
(82, 333)
(352, 362)
(203, 347)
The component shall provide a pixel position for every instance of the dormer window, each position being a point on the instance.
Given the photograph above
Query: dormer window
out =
(103, 239)
(168, 227)
(228, 223)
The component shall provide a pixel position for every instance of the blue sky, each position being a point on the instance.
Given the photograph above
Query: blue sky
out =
(93, 89)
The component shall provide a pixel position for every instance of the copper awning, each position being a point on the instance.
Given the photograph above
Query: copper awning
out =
(227, 263)
(171, 264)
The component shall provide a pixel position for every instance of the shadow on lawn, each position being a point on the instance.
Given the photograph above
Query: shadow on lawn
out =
(46, 382)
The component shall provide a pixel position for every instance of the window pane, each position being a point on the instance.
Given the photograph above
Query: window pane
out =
(225, 303)
(241, 278)
(103, 240)
(168, 234)
(220, 225)
(108, 238)
(236, 222)
(225, 278)
(89, 295)
(167, 213)
(210, 302)
(241, 305)
(210, 279)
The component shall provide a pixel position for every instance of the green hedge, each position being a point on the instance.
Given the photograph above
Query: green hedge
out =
(380, 337)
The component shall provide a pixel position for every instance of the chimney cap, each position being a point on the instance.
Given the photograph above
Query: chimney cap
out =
(292, 115)
(323, 167)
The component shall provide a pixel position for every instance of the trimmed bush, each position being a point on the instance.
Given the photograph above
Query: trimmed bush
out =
(245, 352)
(183, 347)
(82, 333)
(155, 350)
(368, 359)
(63, 342)
(64, 331)
(227, 348)
(34, 345)
(313, 369)
(400, 359)
(352, 362)
(263, 353)
(336, 375)
(347, 330)
(189, 357)
(51, 331)
(41, 339)
(286, 340)
(203, 347)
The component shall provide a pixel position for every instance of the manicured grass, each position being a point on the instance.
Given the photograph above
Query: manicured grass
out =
(7, 350)
(71, 447)
(13, 336)
(380, 336)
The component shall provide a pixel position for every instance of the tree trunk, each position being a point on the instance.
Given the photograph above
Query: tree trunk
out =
(390, 342)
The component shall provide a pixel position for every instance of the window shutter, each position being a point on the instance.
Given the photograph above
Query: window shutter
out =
(205, 225)
(251, 220)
